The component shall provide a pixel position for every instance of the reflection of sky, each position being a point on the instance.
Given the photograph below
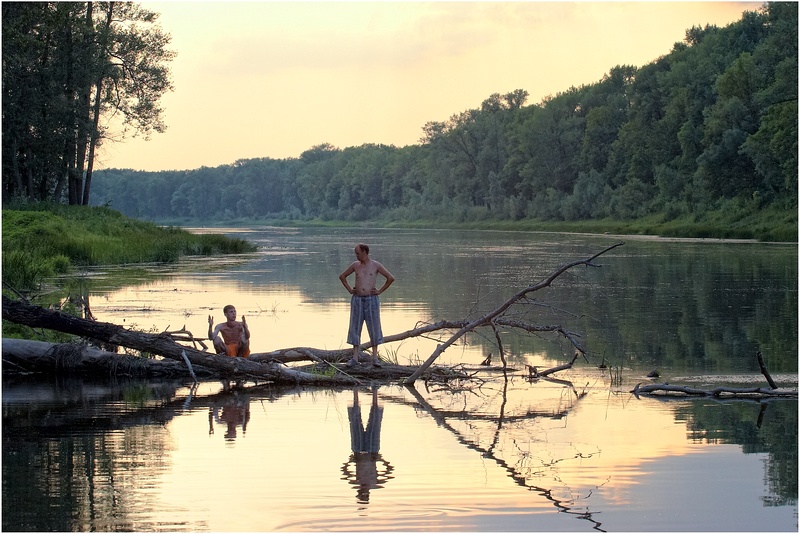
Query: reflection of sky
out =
(637, 474)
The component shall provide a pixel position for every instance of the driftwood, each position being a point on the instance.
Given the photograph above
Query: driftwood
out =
(720, 392)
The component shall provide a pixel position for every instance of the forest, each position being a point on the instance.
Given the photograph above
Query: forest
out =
(708, 128)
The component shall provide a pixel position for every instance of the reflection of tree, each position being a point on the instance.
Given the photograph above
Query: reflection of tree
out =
(365, 445)
(721, 305)
(71, 460)
(765, 427)
(521, 472)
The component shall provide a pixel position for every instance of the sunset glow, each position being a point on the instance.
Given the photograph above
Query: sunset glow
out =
(273, 79)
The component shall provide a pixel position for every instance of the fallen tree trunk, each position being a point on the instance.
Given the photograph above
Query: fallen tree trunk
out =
(37, 356)
(720, 392)
(28, 356)
(161, 344)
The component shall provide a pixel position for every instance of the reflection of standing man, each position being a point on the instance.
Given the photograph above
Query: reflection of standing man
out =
(366, 444)
(364, 303)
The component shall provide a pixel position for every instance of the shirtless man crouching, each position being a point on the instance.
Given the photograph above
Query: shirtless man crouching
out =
(235, 336)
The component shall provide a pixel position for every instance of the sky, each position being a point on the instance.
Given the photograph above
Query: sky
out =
(273, 79)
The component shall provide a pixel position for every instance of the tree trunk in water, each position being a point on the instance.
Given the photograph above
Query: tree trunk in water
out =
(163, 345)
(28, 356)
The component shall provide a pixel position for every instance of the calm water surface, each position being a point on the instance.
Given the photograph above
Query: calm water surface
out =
(576, 453)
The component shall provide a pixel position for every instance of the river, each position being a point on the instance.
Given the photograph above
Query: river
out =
(508, 453)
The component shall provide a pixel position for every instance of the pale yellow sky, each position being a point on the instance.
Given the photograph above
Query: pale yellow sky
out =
(273, 79)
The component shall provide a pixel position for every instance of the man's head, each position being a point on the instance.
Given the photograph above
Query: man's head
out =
(229, 311)
(362, 252)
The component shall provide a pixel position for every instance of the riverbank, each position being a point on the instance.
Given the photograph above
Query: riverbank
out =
(769, 225)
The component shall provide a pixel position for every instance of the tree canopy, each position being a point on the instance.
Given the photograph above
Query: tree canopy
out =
(68, 67)
(709, 126)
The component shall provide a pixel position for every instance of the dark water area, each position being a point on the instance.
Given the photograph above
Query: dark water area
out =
(578, 452)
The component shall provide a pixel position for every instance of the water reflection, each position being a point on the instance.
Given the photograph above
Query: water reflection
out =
(362, 470)
(522, 471)
(511, 450)
(230, 409)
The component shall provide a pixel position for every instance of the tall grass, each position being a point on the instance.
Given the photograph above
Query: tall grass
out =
(40, 240)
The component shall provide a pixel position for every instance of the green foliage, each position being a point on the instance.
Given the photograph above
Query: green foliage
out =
(41, 240)
(702, 141)
(66, 66)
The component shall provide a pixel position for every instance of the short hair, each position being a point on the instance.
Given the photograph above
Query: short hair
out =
(228, 307)
(363, 247)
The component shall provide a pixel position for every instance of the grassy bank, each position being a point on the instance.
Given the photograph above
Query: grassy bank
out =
(41, 240)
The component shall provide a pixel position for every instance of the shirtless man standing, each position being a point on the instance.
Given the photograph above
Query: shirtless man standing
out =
(364, 303)
(235, 340)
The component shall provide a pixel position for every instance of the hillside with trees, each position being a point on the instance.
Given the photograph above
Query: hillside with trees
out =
(701, 141)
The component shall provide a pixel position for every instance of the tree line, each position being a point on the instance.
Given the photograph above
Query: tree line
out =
(68, 69)
(711, 125)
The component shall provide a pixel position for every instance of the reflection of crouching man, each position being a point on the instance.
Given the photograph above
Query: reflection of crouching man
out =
(235, 338)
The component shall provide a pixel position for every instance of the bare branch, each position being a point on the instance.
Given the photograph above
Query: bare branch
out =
(486, 319)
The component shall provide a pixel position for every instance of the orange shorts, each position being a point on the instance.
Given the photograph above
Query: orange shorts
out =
(233, 350)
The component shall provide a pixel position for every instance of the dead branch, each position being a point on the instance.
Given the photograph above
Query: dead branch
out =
(764, 371)
(486, 319)
(533, 372)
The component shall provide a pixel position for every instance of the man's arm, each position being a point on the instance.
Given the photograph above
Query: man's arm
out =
(343, 277)
(389, 278)
(211, 335)
(246, 330)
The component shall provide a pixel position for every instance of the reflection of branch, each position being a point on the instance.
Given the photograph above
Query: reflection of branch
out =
(489, 317)
(519, 479)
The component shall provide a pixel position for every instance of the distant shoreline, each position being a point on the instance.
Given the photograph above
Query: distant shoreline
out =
(742, 231)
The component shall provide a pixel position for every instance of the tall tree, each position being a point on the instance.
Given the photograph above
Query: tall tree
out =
(67, 68)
